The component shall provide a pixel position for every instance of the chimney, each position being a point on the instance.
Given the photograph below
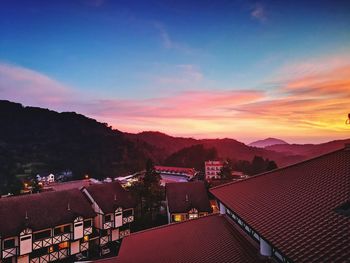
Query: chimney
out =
(68, 206)
(186, 197)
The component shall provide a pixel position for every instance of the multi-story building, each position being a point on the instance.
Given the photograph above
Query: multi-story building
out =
(114, 209)
(57, 225)
(44, 227)
(212, 169)
(186, 201)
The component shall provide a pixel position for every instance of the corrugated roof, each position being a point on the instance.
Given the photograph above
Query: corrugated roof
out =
(206, 240)
(293, 207)
(109, 196)
(44, 210)
(184, 196)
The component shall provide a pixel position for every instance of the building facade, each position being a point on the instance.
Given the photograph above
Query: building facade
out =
(58, 225)
(212, 169)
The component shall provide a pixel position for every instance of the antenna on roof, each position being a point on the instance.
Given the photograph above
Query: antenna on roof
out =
(348, 120)
(68, 206)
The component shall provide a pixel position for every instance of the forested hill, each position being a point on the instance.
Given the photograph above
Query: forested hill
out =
(34, 140)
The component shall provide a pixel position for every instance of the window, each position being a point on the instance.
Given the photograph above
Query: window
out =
(63, 245)
(78, 224)
(9, 243)
(178, 217)
(61, 230)
(128, 212)
(87, 223)
(192, 216)
(108, 218)
(86, 238)
(42, 234)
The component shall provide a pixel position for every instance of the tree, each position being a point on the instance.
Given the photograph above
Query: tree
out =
(271, 165)
(148, 190)
(226, 170)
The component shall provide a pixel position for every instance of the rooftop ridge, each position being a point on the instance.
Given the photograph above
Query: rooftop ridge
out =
(279, 169)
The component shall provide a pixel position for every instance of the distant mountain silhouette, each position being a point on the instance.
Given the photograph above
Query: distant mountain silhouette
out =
(267, 142)
(308, 150)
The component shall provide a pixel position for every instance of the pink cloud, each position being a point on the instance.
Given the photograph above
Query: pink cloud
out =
(312, 103)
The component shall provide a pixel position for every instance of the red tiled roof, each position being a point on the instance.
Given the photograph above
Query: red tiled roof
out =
(206, 240)
(189, 171)
(197, 197)
(44, 210)
(293, 207)
(109, 196)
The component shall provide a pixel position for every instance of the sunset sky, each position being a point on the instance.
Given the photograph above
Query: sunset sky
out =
(240, 69)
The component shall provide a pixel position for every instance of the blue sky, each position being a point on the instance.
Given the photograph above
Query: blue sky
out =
(137, 51)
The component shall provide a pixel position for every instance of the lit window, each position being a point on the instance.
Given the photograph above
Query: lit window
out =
(63, 245)
(192, 216)
(178, 217)
(51, 249)
(86, 238)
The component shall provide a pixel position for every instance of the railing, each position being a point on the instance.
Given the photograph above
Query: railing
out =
(46, 242)
(57, 255)
(61, 238)
(84, 246)
(124, 233)
(63, 253)
(104, 240)
(9, 252)
(107, 225)
(87, 231)
(128, 219)
(42, 259)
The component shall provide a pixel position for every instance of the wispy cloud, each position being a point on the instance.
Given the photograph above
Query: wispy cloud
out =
(167, 40)
(258, 13)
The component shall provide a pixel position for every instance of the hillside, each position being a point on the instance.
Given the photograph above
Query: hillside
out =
(226, 148)
(34, 140)
(267, 142)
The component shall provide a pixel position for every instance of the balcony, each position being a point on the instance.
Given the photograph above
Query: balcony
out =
(61, 238)
(57, 255)
(104, 240)
(84, 246)
(87, 231)
(45, 242)
(9, 252)
(108, 225)
(128, 219)
(124, 233)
